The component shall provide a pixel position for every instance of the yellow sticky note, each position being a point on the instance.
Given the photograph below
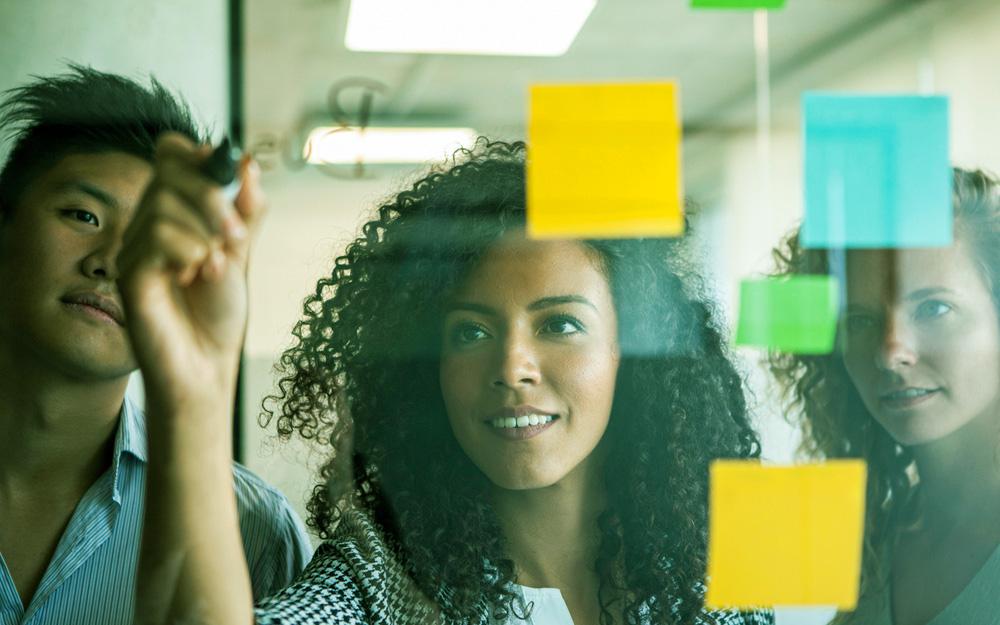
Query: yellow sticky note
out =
(604, 161)
(785, 535)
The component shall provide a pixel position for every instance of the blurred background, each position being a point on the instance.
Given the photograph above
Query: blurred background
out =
(267, 72)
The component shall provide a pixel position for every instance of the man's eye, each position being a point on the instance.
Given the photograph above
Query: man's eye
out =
(931, 309)
(562, 325)
(82, 215)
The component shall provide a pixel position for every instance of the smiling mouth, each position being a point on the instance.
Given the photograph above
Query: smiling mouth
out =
(908, 393)
(522, 422)
(907, 397)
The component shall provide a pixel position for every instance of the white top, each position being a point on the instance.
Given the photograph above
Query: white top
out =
(549, 607)
(977, 604)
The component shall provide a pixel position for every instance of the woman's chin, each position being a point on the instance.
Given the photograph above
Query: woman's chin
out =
(523, 478)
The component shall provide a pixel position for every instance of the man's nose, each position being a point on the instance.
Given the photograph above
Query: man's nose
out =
(102, 260)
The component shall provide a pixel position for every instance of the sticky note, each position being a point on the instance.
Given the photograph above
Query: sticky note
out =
(785, 535)
(796, 314)
(604, 161)
(877, 173)
(737, 4)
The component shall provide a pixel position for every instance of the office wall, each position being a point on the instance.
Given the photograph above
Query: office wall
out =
(183, 42)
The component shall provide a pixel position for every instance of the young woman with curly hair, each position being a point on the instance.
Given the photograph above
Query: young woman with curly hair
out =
(914, 388)
(520, 429)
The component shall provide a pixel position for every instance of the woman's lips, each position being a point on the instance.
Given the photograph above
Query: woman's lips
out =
(521, 432)
(523, 410)
(901, 399)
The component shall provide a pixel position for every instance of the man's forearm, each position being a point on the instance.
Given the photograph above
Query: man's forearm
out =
(192, 567)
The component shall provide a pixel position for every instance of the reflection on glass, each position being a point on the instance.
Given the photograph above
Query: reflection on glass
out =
(914, 388)
(521, 427)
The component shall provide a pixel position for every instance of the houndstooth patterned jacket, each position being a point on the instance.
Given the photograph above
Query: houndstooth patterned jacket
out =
(354, 579)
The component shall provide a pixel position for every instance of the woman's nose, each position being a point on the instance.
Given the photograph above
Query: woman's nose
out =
(896, 348)
(517, 363)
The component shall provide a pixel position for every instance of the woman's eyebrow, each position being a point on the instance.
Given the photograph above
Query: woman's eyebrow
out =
(558, 300)
(920, 294)
(539, 304)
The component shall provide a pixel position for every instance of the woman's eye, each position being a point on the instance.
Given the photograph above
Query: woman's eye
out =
(856, 323)
(562, 325)
(82, 215)
(931, 309)
(468, 334)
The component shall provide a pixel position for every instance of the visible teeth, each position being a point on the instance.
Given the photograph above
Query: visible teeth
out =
(520, 422)
(908, 393)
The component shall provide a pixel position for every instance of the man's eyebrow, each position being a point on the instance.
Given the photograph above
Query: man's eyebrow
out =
(86, 188)
(540, 304)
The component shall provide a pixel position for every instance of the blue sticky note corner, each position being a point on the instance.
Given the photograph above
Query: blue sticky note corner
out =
(877, 173)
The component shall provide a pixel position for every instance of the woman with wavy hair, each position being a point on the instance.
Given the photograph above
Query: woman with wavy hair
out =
(913, 387)
(520, 430)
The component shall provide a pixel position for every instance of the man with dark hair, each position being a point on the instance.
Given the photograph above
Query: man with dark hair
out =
(72, 445)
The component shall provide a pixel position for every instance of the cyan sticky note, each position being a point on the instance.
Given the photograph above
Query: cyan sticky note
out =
(877, 173)
(795, 314)
(785, 535)
(604, 161)
(737, 4)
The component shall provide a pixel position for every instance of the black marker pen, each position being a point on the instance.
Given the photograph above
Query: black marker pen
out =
(222, 166)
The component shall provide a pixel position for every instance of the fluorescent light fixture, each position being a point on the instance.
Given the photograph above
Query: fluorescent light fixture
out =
(330, 144)
(512, 27)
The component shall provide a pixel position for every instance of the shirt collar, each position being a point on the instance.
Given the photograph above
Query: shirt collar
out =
(131, 439)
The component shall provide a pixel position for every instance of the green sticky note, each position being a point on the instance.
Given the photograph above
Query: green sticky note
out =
(737, 4)
(797, 314)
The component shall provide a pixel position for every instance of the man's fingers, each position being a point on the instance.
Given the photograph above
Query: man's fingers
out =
(181, 192)
(182, 252)
(168, 205)
(176, 145)
(205, 197)
(250, 202)
(250, 205)
(168, 235)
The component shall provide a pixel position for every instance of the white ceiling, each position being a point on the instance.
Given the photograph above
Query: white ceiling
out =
(295, 52)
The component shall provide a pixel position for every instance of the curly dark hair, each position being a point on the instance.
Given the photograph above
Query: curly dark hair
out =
(363, 377)
(818, 394)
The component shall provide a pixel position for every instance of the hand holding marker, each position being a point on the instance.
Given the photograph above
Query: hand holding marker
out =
(222, 166)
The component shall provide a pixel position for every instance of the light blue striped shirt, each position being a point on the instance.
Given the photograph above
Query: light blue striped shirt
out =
(91, 577)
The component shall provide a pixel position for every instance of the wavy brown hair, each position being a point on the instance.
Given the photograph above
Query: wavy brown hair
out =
(818, 394)
(362, 376)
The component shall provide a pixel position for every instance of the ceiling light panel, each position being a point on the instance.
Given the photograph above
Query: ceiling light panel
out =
(385, 145)
(507, 27)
